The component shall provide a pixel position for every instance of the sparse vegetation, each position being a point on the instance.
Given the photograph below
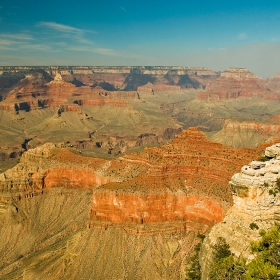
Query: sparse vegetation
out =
(253, 226)
(273, 192)
(194, 272)
(265, 265)
(223, 261)
(276, 188)
(278, 184)
(263, 158)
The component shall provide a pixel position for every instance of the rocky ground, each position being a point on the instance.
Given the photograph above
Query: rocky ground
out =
(255, 201)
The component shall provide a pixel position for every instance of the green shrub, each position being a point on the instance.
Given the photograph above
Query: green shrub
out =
(278, 184)
(263, 158)
(194, 271)
(273, 192)
(221, 249)
(253, 226)
(265, 265)
(225, 265)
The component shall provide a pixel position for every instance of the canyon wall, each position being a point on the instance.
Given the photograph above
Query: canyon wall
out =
(79, 216)
(236, 83)
(179, 173)
(248, 133)
(255, 200)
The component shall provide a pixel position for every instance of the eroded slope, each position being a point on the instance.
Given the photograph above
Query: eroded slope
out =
(66, 216)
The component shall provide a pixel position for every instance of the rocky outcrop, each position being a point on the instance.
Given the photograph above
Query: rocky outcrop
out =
(236, 83)
(10, 153)
(43, 168)
(274, 83)
(37, 90)
(248, 133)
(141, 211)
(255, 200)
(124, 78)
(180, 172)
(117, 206)
(86, 70)
(239, 74)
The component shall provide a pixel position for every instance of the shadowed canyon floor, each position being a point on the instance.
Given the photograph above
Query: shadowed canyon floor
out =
(66, 216)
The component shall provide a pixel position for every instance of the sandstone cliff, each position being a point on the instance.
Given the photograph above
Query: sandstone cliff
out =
(255, 200)
(235, 83)
(248, 133)
(66, 216)
(103, 102)
(123, 78)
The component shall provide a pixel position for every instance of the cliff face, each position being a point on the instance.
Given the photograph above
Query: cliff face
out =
(133, 217)
(135, 105)
(248, 134)
(255, 200)
(274, 82)
(155, 207)
(234, 83)
(179, 173)
(123, 78)
(38, 90)
(186, 171)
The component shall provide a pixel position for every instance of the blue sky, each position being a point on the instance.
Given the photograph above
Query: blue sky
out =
(215, 34)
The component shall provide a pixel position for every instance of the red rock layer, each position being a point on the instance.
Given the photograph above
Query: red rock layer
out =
(90, 79)
(155, 207)
(74, 178)
(186, 179)
(235, 83)
(268, 128)
(274, 83)
(32, 93)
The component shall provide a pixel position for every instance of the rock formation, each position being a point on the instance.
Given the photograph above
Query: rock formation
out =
(235, 83)
(274, 82)
(134, 106)
(255, 200)
(66, 216)
(179, 173)
(248, 133)
(126, 78)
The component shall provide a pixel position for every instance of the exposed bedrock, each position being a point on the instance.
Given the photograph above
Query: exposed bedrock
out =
(39, 90)
(67, 79)
(256, 199)
(236, 83)
(67, 216)
(248, 133)
(114, 206)
(184, 180)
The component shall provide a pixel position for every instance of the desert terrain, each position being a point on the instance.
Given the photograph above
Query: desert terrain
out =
(115, 172)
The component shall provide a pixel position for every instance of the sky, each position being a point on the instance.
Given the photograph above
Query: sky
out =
(213, 34)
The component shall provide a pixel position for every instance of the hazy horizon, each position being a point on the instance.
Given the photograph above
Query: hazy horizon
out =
(216, 35)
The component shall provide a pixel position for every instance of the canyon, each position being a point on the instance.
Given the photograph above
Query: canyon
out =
(130, 217)
(109, 111)
(115, 172)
